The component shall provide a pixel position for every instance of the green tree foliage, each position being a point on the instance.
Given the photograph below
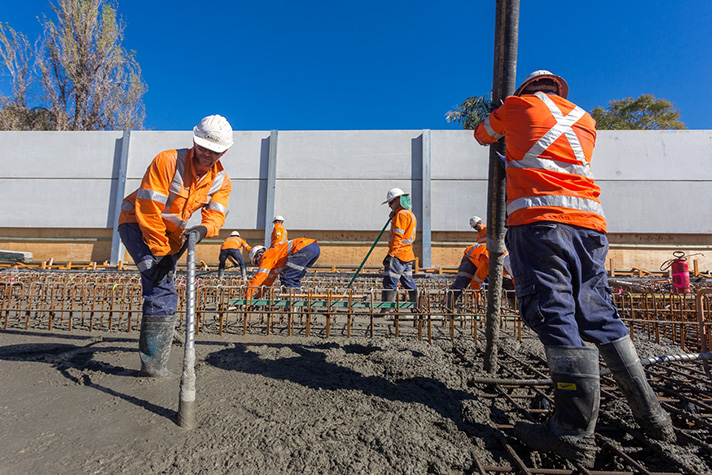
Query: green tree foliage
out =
(471, 112)
(77, 77)
(643, 113)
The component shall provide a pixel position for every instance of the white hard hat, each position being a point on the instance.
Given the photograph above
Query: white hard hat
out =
(474, 220)
(278, 218)
(392, 194)
(235, 233)
(214, 133)
(544, 74)
(254, 251)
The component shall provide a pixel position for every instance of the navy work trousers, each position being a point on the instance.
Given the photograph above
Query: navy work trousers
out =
(465, 273)
(298, 264)
(160, 298)
(236, 254)
(399, 271)
(561, 283)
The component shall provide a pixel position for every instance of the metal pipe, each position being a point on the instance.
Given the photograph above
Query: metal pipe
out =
(186, 405)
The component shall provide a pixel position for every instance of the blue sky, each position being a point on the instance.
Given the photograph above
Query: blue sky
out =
(392, 64)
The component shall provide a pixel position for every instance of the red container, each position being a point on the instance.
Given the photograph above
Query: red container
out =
(680, 276)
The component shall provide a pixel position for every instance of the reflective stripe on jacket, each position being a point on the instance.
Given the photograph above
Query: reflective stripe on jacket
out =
(279, 235)
(550, 142)
(402, 237)
(273, 261)
(235, 242)
(169, 195)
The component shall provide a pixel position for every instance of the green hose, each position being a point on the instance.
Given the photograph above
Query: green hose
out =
(367, 255)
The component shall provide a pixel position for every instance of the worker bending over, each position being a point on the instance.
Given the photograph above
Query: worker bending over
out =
(557, 241)
(290, 262)
(398, 263)
(232, 249)
(279, 234)
(152, 227)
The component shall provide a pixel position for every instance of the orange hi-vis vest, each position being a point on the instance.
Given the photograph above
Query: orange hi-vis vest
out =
(235, 242)
(169, 195)
(402, 237)
(479, 256)
(482, 236)
(550, 142)
(273, 261)
(279, 235)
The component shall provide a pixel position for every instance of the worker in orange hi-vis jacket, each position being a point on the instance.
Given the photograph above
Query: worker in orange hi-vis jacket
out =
(398, 263)
(232, 249)
(152, 226)
(289, 261)
(556, 237)
(279, 234)
(481, 229)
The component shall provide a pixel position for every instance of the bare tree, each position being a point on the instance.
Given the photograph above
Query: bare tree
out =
(87, 80)
(15, 113)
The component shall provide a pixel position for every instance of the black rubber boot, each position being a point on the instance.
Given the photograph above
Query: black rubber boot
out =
(154, 345)
(622, 359)
(221, 273)
(388, 296)
(569, 431)
(413, 297)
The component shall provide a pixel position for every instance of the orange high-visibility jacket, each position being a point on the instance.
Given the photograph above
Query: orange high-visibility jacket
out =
(169, 194)
(482, 236)
(235, 242)
(549, 147)
(273, 261)
(479, 256)
(402, 237)
(279, 235)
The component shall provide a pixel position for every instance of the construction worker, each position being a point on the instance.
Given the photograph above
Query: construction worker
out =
(398, 263)
(481, 229)
(279, 234)
(232, 249)
(152, 226)
(557, 242)
(290, 261)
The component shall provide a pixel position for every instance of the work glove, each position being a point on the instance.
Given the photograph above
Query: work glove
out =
(387, 261)
(199, 231)
(162, 266)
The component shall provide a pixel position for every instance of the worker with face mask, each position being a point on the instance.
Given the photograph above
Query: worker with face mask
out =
(398, 263)
(152, 226)
(232, 249)
(289, 261)
(557, 242)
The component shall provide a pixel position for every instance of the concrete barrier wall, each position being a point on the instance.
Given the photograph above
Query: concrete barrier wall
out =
(653, 182)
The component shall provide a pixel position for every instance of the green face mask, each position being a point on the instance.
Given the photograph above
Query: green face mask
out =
(405, 201)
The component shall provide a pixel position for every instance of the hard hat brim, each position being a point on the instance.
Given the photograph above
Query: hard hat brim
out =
(217, 148)
(563, 86)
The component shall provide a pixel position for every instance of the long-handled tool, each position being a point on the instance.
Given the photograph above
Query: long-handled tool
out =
(186, 406)
(367, 255)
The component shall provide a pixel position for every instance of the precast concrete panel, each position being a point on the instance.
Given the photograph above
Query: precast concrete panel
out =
(456, 201)
(145, 145)
(352, 154)
(245, 159)
(649, 155)
(59, 154)
(675, 207)
(457, 155)
(48, 203)
(339, 204)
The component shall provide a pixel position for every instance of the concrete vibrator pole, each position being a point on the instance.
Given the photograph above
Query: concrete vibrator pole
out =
(186, 406)
(506, 32)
